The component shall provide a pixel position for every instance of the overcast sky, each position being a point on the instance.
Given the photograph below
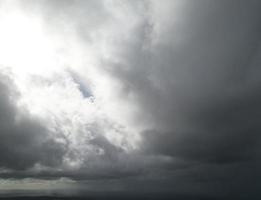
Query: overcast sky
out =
(137, 96)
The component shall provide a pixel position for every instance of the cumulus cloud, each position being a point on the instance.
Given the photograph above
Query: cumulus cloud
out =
(166, 92)
(25, 141)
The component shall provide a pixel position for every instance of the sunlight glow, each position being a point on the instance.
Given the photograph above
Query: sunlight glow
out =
(25, 47)
(40, 62)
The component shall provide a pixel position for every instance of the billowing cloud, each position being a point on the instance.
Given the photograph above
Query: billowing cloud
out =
(25, 141)
(151, 93)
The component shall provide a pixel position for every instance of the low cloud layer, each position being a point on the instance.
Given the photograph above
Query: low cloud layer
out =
(159, 94)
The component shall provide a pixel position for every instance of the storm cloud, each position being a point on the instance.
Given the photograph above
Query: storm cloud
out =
(155, 95)
(24, 140)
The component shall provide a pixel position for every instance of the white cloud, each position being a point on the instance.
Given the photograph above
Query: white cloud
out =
(43, 61)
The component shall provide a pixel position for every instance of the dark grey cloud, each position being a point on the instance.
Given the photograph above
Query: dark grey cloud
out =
(210, 108)
(197, 85)
(24, 141)
(199, 90)
(195, 77)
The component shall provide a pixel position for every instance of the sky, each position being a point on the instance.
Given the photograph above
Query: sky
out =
(131, 97)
